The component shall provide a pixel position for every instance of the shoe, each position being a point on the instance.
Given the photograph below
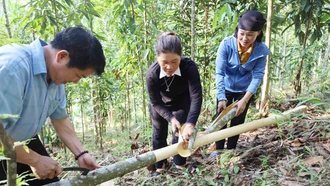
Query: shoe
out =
(213, 154)
(155, 173)
(176, 169)
(192, 168)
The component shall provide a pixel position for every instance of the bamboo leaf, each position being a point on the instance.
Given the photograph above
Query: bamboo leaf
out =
(6, 116)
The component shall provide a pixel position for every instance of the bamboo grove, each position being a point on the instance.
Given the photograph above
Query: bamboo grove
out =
(299, 42)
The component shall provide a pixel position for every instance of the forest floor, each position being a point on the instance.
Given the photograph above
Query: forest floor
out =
(291, 153)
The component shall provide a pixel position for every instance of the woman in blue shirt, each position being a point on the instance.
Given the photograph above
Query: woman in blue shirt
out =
(240, 66)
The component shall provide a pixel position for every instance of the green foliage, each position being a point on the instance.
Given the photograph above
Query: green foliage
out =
(117, 103)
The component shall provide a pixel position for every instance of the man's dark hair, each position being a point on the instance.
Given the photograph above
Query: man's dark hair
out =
(168, 42)
(84, 48)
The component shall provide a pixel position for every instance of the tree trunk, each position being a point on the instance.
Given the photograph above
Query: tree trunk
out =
(82, 118)
(326, 57)
(6, 18)
(206, 68)
(121, 168)
(10, 153)
(265, 85)
(144, 105)
(297, 83)
(283, 62)
(192, 56)
(129, 112)
(95, 107)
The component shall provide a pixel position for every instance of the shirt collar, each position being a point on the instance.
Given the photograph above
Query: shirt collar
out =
(39, 63)
(163, 73)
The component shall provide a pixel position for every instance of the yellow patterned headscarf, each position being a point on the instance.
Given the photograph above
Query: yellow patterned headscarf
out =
(244, 56)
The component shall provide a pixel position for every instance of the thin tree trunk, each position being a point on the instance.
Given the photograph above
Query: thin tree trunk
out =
(206, 70)
(192, 29)
(6, 18)
(10, 153)
(82, 118)
(326, 56)
(297, 83)
(265, 84)
(129, 112)
(145, 60)
(95, 107)
(283, 61)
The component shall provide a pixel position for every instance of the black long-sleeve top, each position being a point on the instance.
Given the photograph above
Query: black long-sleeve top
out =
(185, 90)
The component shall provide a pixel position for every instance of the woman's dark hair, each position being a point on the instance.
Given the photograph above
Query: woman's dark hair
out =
(84, 48)
(168, 42)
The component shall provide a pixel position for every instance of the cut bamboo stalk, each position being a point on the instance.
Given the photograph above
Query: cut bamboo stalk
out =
(217, 124)
(121, 168)
(192, 138)
(222, 122)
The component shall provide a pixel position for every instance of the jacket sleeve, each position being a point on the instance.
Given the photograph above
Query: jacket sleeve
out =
(257, 74)
(195, 92)
(221, 61)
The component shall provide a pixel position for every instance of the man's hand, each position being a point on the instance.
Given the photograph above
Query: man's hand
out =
(175, 124)
(45, 168)
(87, 161)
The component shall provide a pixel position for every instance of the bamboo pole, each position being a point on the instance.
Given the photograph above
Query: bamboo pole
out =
(222, 122)
(121, 168)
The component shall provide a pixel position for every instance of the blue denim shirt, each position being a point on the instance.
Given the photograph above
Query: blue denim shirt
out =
(231, 75)
(25, 92)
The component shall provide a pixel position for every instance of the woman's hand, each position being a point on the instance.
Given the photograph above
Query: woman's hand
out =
(241, 105)
(187, 132)
(221, 105)
(175, 125)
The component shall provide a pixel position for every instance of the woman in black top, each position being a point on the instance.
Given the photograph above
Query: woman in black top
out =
(175, 94)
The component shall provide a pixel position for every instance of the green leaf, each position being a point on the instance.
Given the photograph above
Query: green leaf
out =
(325, 18)
(5, 116)
(52, 20)
(145, 55)
(228, 11)
(222, 13)
(236, 169)
(69, 2)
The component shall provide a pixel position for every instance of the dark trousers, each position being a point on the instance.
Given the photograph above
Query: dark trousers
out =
(36, 146)
(160, 131)
(232, 141)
